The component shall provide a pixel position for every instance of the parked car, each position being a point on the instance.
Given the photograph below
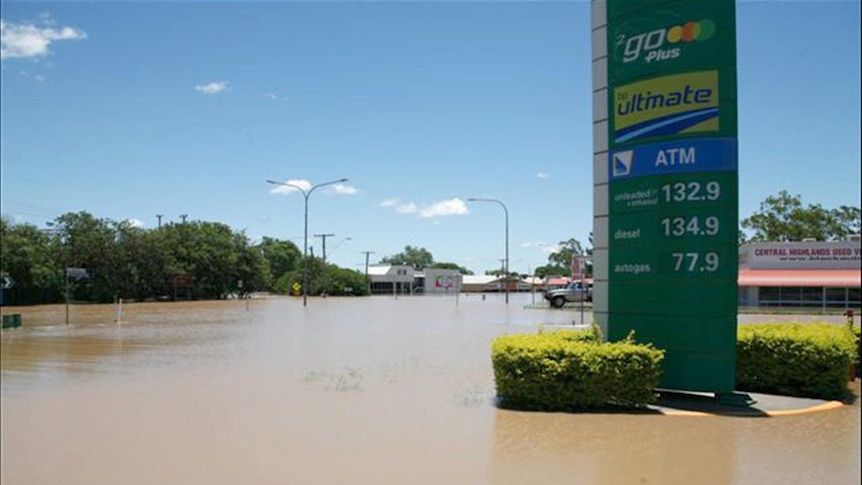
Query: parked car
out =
(575, 291)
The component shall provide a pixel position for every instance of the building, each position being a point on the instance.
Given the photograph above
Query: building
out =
(393, 279)
(441, 281)
(808, 274)
(405, 280)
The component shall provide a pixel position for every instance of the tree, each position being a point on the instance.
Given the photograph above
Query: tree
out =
(419, 258)
(282, 257)
(560, 262)
(552, 270)
(27, 256)
(155, 264)
(494, 272)
(91, 243)
(785, 218)
(252, 267)
(344, 281)
(563, 257)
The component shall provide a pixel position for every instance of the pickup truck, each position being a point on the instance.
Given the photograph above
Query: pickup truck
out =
(573, 292)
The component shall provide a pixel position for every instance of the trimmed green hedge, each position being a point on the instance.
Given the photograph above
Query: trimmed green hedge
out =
(858, 351)
(571, 370)
(807, 360)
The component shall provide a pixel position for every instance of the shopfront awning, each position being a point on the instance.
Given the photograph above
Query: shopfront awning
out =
(801, 277)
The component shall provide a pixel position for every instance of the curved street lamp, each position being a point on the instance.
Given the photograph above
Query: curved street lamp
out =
(506, 212)
(339, 243)
(306, 194)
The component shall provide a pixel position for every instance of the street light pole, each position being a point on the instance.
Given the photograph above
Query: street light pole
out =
(506, 213)
(305, 194)
(338, 244)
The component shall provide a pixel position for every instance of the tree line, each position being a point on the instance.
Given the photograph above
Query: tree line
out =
(187, 260)
(209, 260)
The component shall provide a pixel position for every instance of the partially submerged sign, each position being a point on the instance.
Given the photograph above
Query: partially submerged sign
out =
(6, 282)
(77, 273)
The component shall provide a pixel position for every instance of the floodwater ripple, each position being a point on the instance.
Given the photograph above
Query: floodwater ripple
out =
(375, 390)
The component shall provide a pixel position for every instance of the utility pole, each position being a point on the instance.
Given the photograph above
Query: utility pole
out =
(183, 217)
(367, 281)
(324, 236)
(159, 216)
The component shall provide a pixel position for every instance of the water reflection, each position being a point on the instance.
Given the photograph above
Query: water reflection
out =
(612, 448)
(365, 391)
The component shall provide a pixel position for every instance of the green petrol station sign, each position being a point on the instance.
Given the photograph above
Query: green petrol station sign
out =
(684, 105)
(651, 39)
(673, 185)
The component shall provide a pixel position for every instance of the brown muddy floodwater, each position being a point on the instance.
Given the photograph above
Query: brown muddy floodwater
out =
(350, 391)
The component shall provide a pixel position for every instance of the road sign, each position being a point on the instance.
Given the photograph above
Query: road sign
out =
(578, 263)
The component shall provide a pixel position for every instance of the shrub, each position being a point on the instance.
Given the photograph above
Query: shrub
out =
(859, 348)
(807, 360)
(858, 351)
(566, 370)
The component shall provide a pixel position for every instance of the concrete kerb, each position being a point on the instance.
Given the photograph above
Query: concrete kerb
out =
(764, 406)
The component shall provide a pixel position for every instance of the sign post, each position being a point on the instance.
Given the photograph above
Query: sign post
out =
(76, 274)
(672, 186)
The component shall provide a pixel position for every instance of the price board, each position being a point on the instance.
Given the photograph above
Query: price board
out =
(673, 185)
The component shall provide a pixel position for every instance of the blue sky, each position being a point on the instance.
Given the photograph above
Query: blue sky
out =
(127, 110)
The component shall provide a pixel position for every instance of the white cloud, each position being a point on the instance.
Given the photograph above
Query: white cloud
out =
(551, 249)
(47, 18)
(343, 189)
(451, 207)
(285, 189)
(276, 97)
(294, 185)
(544, 247)
(29, 75)
(31, 41)
(408, 208)
(543, 175)
(213, 87)
(136, 222)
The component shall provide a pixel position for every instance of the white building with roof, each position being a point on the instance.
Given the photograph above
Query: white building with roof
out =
(392, 278)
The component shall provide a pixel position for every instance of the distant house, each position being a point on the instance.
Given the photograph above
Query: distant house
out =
(481, 283)
(392, 278)
(490, 283)
(531, 283)
(404, 279)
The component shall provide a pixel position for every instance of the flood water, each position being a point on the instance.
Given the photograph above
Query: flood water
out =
(375, 390)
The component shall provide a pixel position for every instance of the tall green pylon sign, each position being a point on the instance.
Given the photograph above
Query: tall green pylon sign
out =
(665, 123)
